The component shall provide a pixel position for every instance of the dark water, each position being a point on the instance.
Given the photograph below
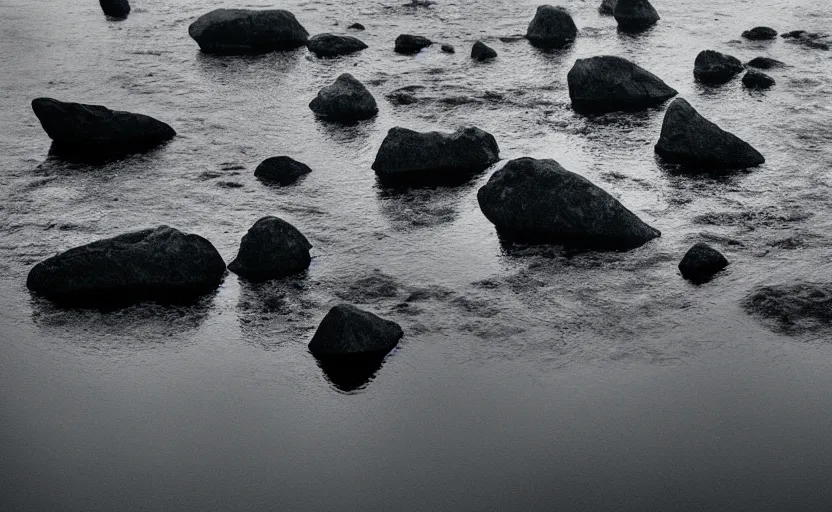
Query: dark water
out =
(527, 380)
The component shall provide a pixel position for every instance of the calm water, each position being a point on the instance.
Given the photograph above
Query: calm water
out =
(527, 380)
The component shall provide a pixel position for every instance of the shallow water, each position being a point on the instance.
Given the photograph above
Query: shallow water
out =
(528, 379)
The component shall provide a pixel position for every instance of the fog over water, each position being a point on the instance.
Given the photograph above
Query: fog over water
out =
(528, 378)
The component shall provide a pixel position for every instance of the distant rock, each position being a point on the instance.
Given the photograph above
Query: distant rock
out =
(448, 48)
(281, 170)
(552, 27)
(345, 101)
(765, 63)
(635, 15)
(813, 40)
(409, 44)
(538, 201)
(331, 45)
(160, 264)
(115, 8)
(356, 26)
(760, 34)
(701, 262)
(94, 132)
(607, 6)
(713, 67)
(793, 308)
(247, 31)
(402, 97)
(689, 139)
(407, 157)
(756, 80)
(482, 52)
(607, 84)
(349, 331)
(271, 249)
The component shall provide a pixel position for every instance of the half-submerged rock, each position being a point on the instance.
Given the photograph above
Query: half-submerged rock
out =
(161, 264)
(765, 63)
(760, 34)
(448, 48)
(93, 132)
(607, 6)
(716, 68)
(756, 80)
(480, 51)
(281, 170)
(551, 27)
(345, 101)
(793, 308)
(271, 249)
(701, 262)
(635, 15)
(115, 8)
(332, 45)
(538, 201)
(607, 84)
(408, 44)
(407, 157)
(247, 31)
(689, 139)
(347, 330)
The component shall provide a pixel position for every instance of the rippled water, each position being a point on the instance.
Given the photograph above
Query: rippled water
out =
(528, 379)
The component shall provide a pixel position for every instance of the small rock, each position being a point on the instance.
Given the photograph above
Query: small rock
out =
(607, 6)
(765, 63)
(715, 68)
(756, 80)
(115, 8)
(448, 48)
(247, 31)
(482, 52)
(345, 101)
(409, 44)
(331, 45)
(701, 262)
(552, 27)
(349, 331)
(356, 26)
(760, 34)
(635, 15)
(793, 308)
(281, 170)
(271, 249)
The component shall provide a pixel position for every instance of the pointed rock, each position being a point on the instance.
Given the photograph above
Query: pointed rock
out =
(349, 331)
(538, 201)
(701, 262)
(689, 139)
(552, 27)
(716, 68)
(272, 248)
(345, 101)
(482, 52)
(409, 44)
(247, 31)
(607, 84)
(331, 45)
(635, 15)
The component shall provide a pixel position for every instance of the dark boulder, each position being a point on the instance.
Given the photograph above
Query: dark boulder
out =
(793, 308)
(607, 84)
(765, 63)
(345, 101)
(160, 264)
(538, 201)
(689, 139)
(760, 34)
(281, 170)
(607, 6)
(349, 331)
(635, 15)
(331, 45)
(115, 8)
(247, 31)
(407, 157)
(271, 249)
(448, 48)
(409, 44)
(713, 67)
(701, 262)
(551, 27)
(94, 132)
(482, 52)
(356, 26)
(756, 80)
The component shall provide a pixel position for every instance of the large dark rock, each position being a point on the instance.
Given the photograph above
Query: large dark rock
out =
(635, 15)
(713, 67)
(765, 63)
(407, 157)
(689, 139)
(281, 170)
(93, 132)
(409, 44)
(349, 331)
(760, 34)
(607, 84)
(701, 262)
(551, 27)
(345, 101)
(756, 80)
(793, 308)
(161, 264)
(115, 8)
(607, 6)
(331, 45)
(247, 31)
(480, 51)
(538, 201)
(271, 249)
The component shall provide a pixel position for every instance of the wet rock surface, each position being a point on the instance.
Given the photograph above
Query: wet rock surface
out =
(715, 68)
(760, 34)
(115, 8)
(765, 63)
(793, 308)
(481, 52)
(635, 15)
(757, 80)
(349, 331)
(408, 44)
(271, 249)
(332, 45)
(247, 31)
(347, 100)
(701, 263)
(551, 27)
(281, 170)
